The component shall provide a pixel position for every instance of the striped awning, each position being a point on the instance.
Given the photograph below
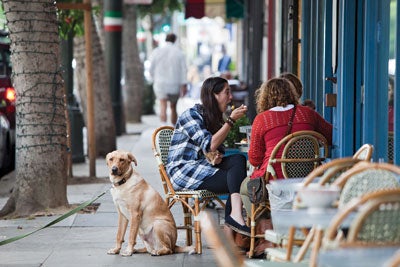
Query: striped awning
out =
(214, 8)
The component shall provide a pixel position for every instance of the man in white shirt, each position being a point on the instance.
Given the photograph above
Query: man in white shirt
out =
(168, 70)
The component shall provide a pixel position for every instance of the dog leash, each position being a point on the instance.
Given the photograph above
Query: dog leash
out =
(62, 217)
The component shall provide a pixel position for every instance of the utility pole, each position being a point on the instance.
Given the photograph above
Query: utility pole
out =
(113, 51)
(255, 31)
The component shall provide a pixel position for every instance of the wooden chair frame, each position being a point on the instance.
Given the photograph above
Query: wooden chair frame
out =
(200, 197)
(327, 172)
(364, 152)
(365, 166)
(286, 144)
(333, 238)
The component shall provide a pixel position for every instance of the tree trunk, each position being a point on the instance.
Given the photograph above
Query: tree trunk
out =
(104, 127)
(98, 20)
(41, 132)
(133, 67)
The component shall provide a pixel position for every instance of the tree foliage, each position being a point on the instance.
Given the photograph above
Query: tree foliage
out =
(72, 19)
(160, 7)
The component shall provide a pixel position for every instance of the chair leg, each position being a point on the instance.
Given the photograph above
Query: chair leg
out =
(306, 244)
(252, 230)
(289, 250)
(187, 220)
(317, 245)
(197, 230)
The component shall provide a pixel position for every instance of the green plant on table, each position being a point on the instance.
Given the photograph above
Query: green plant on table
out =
(235, 136)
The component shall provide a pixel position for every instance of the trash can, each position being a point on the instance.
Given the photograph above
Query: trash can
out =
(76, 126)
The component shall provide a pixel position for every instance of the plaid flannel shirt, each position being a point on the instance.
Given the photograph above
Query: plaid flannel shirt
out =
(187, 166)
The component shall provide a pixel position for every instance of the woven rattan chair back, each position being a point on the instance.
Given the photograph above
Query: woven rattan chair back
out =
(364, 152)
(375, 220)
(161, 143)
(366, 177)
(329, 172)
(193, 201)
(301, 154)
(390, 147)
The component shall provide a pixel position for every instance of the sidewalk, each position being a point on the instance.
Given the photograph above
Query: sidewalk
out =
(83, 239)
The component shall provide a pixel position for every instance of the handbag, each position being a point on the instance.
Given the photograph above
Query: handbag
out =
(257, 190)
(257, 187)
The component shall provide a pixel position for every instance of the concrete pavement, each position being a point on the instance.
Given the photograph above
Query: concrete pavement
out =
(83, 239)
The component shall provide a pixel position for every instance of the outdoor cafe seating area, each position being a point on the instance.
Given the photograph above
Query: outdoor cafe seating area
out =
(337, 218)
(345, 212)
(341, 212)
(356, 223)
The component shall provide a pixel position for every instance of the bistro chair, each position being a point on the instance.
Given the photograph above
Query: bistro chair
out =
(373, 220)
(364, 152)
(298, 154)
(366, 177)
(328, 172)
(322, 175)
(376, 221)
(193, 201)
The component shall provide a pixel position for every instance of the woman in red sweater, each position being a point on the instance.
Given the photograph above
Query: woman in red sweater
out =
(275, 101)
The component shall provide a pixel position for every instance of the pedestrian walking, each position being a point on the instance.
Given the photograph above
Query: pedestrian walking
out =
(169, 72)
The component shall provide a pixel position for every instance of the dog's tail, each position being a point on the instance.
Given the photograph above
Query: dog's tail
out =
(188, 249)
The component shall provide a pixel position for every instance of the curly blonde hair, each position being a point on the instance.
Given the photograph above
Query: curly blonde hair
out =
(275, 92)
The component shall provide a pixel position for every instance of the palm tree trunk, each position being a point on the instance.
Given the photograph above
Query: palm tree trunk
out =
(41, 131)
(133, 67)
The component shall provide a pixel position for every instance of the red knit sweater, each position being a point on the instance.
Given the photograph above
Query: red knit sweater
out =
(269, 127)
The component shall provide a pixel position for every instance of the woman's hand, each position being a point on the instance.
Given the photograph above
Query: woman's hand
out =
(214, 157)
(218, 158)
(239, 112)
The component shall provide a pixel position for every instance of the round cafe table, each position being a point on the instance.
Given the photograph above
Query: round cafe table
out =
(356, 256)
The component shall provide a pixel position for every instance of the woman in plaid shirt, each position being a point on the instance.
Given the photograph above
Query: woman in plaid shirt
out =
(199, 132)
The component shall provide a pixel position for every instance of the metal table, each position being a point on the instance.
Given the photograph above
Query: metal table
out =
(291, 222)
(356, 257)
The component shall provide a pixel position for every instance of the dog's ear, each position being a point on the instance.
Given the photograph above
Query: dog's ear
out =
(132, 158)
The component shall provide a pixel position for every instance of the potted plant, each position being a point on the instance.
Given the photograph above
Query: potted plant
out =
(235, 136)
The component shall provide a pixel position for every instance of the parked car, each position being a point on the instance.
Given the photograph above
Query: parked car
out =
(7, 108)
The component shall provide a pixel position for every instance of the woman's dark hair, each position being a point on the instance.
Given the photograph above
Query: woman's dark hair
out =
(212, 115)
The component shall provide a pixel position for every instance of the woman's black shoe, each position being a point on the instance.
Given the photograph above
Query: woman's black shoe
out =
(239, 228)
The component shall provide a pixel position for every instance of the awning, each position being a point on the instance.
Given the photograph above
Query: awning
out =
(214, 8)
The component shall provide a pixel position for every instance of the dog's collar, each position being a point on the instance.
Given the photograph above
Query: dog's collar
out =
(120, 182)
(125, 178)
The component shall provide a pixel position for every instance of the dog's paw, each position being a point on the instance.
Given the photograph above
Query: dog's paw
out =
(127, 252)
(154, 253)
(113, 251)
(191, 250)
